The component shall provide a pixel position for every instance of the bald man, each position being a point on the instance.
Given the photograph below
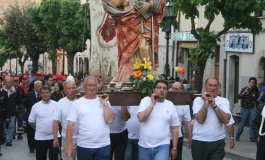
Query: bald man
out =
(177, 86)
(183, 112)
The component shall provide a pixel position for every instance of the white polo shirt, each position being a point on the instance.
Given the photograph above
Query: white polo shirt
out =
(88, 114)
(42, 115)
(156, 130)
(61, 113)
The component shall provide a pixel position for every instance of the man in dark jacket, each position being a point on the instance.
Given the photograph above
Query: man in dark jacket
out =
(39, 77)
(30, 99)
(259, 131)
(3, 109)
(13, 102)
(20, 108)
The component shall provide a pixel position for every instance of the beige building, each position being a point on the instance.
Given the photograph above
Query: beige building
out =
(241, 55)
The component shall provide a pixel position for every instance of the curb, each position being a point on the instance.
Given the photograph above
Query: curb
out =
(229, 155)
(234, 156)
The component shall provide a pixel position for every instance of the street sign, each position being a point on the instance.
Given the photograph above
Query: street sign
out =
(183, 36)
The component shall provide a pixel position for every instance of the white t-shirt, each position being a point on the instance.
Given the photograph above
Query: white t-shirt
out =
(133, 124)
(212, 129)
(156, 130)
(42, 115)
(88, 114)
(64, 106)
(183, 114)
(119, 125)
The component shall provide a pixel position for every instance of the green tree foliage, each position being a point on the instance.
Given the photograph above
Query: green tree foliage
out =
(62, 23)
(236, 14)
(74, 24)
(49, 12)
(20, 33)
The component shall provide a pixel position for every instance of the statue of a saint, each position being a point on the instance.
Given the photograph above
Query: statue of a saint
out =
(134, 27)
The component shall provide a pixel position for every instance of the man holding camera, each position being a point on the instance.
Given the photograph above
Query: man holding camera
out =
(159, 122)
(248, 96)
(211, 115)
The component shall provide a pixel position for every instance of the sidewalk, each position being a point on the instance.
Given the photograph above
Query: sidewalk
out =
(244, 149)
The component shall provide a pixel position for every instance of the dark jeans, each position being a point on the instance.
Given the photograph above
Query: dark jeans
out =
(261, 149)
(208, 150)
(1, 130)
(118, 144)
(42, 146)
(20, 118)
(93, 153)
(30, 137)
(132, 150)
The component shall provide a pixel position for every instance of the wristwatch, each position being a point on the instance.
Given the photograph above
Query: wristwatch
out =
(105, 104)
(215, 106)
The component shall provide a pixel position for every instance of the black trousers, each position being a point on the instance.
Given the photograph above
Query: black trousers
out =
(179, 148)
(1, 130)
(30, 137)
(118, 144)
(202, 150)
(42, 146)
(261, 149)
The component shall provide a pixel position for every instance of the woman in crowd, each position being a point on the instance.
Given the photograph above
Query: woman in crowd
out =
(58, 92)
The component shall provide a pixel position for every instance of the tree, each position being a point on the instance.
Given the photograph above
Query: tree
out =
(20, 33)
(3, 39)
(236, 14)
(45, 19)
(74, 24)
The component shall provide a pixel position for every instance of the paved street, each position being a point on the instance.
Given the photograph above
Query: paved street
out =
(19, 151)
(244, 150)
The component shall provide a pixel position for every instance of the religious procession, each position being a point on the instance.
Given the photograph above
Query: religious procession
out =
(101, 83)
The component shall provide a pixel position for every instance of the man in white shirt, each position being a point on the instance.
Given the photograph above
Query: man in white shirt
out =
(118, 132)
(185, 119)
(41, 118)
(133, 126)
(212, 114)
(64, 106)
(159, 123)
(93, 115)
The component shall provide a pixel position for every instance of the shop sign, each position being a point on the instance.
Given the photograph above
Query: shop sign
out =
(183, 36)
(239, 42)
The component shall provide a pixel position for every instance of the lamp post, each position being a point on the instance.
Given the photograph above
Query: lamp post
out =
(64, 33)
(168, 18)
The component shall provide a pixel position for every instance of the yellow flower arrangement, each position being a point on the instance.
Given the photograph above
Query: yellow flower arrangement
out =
(144, 76)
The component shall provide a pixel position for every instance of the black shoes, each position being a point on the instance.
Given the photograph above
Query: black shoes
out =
(31, 151)
(237, 138)
(19, 137)
(8, 144)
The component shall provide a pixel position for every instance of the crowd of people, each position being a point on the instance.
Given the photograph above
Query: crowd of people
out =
(66, 125)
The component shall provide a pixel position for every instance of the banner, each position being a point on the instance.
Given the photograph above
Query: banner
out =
(104, 51)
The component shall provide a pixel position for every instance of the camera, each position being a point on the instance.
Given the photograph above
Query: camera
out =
(208, 95)
(103, 96)
(156, 96)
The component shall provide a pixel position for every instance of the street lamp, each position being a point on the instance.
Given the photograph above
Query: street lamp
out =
(168, 18)
(64, 33)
